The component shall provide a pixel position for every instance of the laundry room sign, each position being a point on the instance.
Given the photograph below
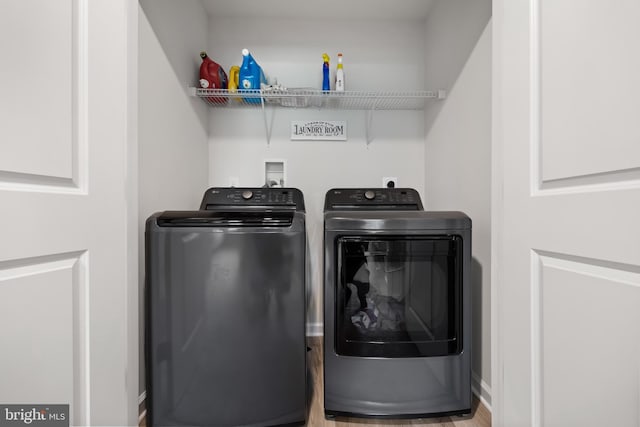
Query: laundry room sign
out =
(318, 130)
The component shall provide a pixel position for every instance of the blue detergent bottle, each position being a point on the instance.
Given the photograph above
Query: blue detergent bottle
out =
(250, 77)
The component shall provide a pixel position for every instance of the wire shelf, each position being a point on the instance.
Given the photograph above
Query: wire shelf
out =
(312, 98)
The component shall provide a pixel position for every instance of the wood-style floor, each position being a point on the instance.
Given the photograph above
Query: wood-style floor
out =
(480, 416)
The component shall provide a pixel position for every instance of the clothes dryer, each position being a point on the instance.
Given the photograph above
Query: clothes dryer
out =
(397, 306)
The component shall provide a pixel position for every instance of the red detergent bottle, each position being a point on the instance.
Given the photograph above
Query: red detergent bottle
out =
(212, 76)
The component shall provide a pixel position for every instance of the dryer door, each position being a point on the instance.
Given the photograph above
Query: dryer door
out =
(399, 296)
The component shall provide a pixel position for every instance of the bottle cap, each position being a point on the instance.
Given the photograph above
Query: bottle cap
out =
(245, 52)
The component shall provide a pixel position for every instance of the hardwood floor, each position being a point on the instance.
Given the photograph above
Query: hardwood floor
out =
(480, 416)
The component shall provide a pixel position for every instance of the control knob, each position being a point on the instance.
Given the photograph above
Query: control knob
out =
(247, 194)
(369, 195)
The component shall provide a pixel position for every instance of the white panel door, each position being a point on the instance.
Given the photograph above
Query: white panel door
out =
(567, 213)
(66, 326)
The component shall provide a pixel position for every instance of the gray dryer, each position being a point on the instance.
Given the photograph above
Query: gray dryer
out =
(397, 306)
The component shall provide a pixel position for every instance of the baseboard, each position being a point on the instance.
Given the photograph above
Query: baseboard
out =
(314, 329)
(481, 389)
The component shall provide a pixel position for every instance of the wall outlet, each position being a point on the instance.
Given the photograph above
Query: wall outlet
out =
(234, 181)
(389, 181)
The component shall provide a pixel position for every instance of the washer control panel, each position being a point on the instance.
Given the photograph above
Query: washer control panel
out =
(230, 198)
(372, 198)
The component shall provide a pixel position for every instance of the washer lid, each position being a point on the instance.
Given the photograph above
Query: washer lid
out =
(278, 218)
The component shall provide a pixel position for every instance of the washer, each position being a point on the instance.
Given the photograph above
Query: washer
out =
(397, 306)
(225, 311)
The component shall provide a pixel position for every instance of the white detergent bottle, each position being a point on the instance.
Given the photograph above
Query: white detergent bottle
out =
(339, 75)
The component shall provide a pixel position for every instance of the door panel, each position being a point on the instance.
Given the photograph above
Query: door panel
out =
(49, 349)
(588, 346)
(69, 332)
(590, 93)
(37, 115)
(568, 203)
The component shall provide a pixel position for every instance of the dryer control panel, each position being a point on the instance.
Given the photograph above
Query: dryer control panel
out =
(252, 198)
(372, 199)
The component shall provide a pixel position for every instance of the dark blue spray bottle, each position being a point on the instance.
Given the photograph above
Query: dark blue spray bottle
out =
(326, 85)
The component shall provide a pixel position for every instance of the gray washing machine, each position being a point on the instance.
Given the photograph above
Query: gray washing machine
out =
(397, 306)
(225, 311)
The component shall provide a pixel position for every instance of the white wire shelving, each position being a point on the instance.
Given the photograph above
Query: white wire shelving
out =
(312, 98)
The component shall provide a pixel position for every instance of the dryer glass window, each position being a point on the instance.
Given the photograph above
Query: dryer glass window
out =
(399, 296)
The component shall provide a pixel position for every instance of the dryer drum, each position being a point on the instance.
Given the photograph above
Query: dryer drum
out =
(403, 299)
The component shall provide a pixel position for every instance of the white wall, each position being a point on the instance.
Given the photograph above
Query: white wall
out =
(173, 126)
(384, 55)
(458, 177)
(452, 30)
